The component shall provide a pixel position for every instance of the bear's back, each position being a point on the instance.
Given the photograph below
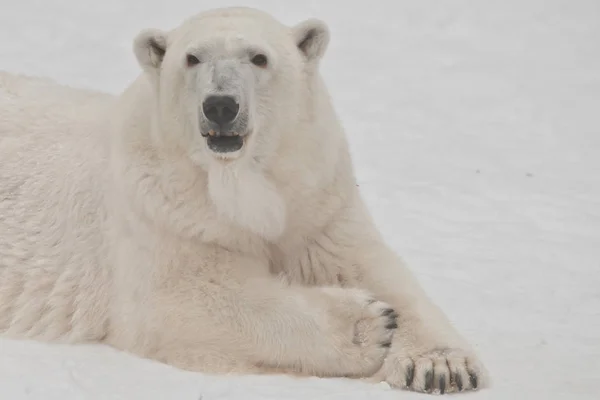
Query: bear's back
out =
(52, 170)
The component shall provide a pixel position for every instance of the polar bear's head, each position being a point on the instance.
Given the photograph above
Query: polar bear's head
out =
(229, 82)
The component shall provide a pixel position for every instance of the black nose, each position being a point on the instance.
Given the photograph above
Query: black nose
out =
(220, 109)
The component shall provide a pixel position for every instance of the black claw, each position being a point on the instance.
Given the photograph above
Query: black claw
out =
(442, 384)
(410, 375)
(386, 344)
(387, 311)
(458, 379)
(391, 325)
(428, 380)
(473, 379)
(451, 377)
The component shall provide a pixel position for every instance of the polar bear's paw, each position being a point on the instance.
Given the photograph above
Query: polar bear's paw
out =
(439, 371)
(362, 329)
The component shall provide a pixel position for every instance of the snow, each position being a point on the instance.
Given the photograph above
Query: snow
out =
(475, 129)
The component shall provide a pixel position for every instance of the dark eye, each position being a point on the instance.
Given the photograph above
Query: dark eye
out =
(192, 60)
(260, 60)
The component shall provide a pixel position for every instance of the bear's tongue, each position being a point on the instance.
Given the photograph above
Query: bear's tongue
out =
(224, 144)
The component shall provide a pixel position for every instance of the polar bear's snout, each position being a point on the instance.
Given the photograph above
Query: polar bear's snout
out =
(223, 123)
(224, 107)
(223, 131)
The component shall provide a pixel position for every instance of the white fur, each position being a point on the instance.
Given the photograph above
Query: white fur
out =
(118, 225)
(247, 197)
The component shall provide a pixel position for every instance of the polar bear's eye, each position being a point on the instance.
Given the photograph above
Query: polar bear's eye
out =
(192, 60)
(260, 60)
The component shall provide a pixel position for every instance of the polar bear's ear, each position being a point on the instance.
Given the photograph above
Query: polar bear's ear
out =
(150, 46)
(312, 38)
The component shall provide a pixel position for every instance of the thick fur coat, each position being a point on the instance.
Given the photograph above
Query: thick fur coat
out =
(127, 220)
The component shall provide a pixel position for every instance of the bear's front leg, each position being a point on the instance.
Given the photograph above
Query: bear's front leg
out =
(427, 354)
(212, 310)
(263, 326)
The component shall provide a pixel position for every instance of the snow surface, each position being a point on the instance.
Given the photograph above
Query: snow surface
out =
(475, 129)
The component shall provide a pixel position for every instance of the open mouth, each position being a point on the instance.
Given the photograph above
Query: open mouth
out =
(225, 144)
(228, 143)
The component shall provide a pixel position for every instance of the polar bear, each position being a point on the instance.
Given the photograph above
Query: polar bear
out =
(208, 217)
